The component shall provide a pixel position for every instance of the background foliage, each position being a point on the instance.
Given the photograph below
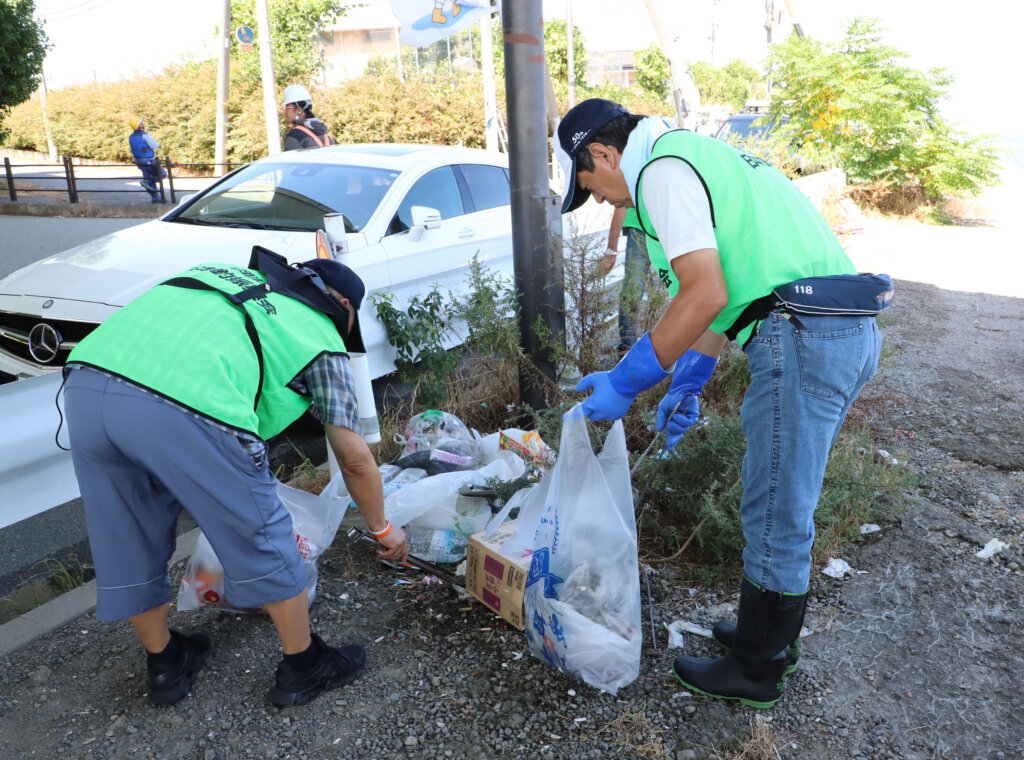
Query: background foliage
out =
(853, 104)
(652, 71)
(294, 27)
(23, 47)
(734, 83)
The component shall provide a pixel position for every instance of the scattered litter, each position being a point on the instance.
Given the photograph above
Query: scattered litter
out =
(837, 568)
(862, 572)
(517, 655)
(886, 457)
(572, 692)
(681, 694)
(378, 640)
(992, 548)
(84, 632)
(580, 720)
(679, 627)
(869, 528)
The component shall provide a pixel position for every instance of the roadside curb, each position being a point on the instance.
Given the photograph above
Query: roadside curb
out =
(148, 211)
(66, 607)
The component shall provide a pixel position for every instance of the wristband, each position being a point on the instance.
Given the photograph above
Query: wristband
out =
(381, 534)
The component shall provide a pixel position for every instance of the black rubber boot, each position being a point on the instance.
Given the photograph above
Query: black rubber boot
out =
(724, 634)
(753, 671)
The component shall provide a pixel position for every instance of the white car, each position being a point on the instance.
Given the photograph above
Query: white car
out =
(462, 201)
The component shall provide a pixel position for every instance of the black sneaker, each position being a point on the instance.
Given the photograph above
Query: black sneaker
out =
(171, 683)
(336, 666)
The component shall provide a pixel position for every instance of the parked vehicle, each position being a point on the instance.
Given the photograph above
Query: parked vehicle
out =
(745, 126)
(414, 216)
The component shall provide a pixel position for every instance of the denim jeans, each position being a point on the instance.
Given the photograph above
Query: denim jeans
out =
(803, 379)
(632, 286)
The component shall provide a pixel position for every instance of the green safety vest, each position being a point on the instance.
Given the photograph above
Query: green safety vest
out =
(185, 340)
(768, 232)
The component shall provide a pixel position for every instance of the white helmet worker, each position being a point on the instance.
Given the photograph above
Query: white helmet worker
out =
(299, 95)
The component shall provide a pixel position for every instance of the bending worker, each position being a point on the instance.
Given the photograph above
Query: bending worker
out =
(307, 131)
(734, 233)
(170, 403)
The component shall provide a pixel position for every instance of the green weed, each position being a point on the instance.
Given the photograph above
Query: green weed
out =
(65, 576)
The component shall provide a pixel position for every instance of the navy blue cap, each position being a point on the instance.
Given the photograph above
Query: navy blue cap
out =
(574, 131)
(340, 277)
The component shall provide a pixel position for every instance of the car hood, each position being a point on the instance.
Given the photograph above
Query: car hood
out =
(116, 268)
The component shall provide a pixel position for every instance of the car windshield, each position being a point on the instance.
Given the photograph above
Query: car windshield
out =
(291, 196)
(758, 126)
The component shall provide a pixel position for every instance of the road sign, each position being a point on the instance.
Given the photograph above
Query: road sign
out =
(245, 35)
(245, 47)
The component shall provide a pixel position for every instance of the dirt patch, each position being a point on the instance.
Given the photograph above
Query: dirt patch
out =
(914, 657)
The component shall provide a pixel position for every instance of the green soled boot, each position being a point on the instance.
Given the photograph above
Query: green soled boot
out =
(754, 668)
(724, 634)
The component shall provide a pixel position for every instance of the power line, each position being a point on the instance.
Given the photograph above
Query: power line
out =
(64, 14)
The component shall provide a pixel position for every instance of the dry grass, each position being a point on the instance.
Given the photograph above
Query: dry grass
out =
(638, 736)
(886, 199)
(760, 745)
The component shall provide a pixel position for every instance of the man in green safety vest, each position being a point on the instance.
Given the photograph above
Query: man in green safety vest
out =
(170, 403)
(725, 231)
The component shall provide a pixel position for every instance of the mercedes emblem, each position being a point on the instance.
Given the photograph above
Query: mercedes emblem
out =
(44, 343)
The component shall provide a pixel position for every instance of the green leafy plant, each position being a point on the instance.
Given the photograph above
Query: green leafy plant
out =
(853, 104)
(418, 333)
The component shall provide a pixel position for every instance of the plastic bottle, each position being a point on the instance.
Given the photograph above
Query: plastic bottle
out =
(437, 545)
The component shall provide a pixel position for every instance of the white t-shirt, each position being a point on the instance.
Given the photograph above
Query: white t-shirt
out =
(678, 207)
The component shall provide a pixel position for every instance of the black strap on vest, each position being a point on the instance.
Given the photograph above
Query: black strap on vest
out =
(236, 300)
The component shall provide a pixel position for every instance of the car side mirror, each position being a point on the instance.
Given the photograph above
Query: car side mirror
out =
(423, 218)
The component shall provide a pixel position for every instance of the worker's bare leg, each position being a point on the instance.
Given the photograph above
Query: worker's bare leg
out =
(151, 627)
(291, 617)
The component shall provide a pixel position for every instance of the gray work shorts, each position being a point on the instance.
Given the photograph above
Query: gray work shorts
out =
(139, 460)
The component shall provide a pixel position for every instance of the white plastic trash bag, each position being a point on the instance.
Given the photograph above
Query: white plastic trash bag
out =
(582, 601)
(315, 521)
(430, 502)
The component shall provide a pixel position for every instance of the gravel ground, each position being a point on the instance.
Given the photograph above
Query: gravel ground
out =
(913, 658)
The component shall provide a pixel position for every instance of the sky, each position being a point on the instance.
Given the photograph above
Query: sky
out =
(976, 41)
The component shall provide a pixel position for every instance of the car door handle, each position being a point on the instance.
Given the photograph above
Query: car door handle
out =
(467, 232)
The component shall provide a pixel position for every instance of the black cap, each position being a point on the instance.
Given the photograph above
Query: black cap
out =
(340, 277)
(574, 131)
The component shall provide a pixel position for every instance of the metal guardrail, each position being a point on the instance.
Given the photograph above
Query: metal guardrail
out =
(35, 475)
(67, 165)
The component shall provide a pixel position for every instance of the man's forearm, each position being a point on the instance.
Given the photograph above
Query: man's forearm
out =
(359, 470)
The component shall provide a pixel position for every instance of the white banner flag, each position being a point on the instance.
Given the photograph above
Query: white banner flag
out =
(424, 22)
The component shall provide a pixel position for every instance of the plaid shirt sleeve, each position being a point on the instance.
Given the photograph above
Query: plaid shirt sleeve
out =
(328, 380)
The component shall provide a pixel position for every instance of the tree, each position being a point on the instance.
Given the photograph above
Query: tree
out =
(733, 83)
(295, 27)
(556, 51)
(853, 104)
(652, 71)
(23, 46)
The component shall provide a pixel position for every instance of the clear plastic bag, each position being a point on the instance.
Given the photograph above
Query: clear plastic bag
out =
(582, 600)
(315, 521)
(438, 442)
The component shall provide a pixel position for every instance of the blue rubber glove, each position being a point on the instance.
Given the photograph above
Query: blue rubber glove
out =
(691, 372)
(614, 391)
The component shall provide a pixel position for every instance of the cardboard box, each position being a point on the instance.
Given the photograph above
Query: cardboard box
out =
(494, 579)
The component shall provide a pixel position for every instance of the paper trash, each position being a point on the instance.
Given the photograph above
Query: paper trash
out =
(869, 528)
(837, 568)
(992, 548)
(679, 627)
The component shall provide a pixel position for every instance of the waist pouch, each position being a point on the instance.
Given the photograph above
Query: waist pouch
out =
(838, 295)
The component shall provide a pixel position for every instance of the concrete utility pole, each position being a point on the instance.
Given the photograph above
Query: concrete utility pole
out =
(269, 85)
(50, 146)
(686, 95)
(490, 93)
(536, 221)
(220, 150)
(570, 52)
